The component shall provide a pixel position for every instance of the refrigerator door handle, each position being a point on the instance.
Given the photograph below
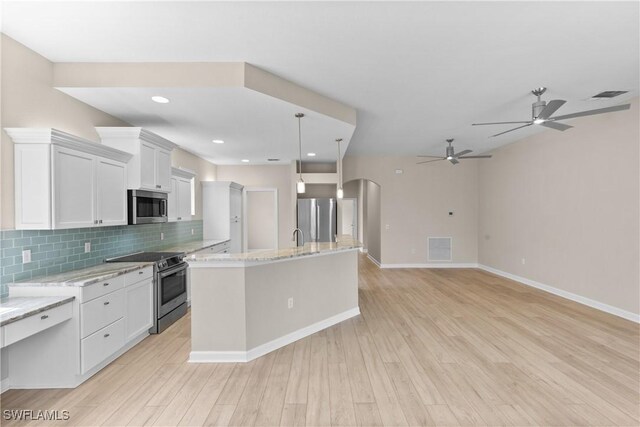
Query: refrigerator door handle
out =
(317, 223)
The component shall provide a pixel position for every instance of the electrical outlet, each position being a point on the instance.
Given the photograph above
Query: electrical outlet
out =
(87, 247)
(386, 227)
(524, 261)
(290, 303)
(161, 236)
(193, 232)
(26, 256)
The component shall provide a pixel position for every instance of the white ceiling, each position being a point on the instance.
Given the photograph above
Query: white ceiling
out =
(417, 72)
(252, 125)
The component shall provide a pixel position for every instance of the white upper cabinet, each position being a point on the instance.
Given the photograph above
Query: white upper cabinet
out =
(222, 212)
(62, 181)
(111, 178)
(150, 166)
(180, 196)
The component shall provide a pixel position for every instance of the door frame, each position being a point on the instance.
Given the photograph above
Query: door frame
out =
(245, 217)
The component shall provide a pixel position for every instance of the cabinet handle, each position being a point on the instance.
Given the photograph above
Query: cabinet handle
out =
(106, 303)
(179, 218)
(158, 186)
(105, 284)
(100, 221)
(46, 316)
(106, 335)
(95, 221)
(140, 272)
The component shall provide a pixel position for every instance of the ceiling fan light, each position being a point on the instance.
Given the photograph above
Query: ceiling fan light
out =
(539, 121)
(449, 157)
(300, 187)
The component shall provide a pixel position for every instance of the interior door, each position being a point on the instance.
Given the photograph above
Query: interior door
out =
(347, 215)
(111, 192)
(74, 189)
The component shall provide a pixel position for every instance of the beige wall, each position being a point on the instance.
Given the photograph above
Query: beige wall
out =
(205, 171)
(415, 205)
(568, 203)
(29, 100)
(276, 176)
(261, 220)
(372, 221)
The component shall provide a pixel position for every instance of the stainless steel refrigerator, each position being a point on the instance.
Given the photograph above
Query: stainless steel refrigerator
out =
(317, 218)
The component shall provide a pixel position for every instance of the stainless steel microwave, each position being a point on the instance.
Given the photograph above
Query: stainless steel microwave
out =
(147, 207)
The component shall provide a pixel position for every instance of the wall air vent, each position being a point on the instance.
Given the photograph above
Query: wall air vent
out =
(439, 249)
(609, 94)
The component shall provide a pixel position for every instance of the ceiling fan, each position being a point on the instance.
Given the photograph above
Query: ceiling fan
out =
(452, 156)
(541, 112)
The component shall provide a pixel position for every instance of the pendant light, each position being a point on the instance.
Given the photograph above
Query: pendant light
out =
(340, 192)
(300, 187)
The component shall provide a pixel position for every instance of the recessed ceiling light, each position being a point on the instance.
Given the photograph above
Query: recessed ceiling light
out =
(245, 160)
(218, 141)
(311, 154)
(160, 99)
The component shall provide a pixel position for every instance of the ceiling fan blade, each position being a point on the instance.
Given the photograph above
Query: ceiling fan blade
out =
(550, 108)
(593, 112)
(475, 157)
(429, 161)
(454, 161)
(435, 157)
(498, 123)
(556, 126)
(462, 153)
(511, 130)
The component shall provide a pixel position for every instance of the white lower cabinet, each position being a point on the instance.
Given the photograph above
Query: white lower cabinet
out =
(139, 306)
(106, 319)
(101, 344)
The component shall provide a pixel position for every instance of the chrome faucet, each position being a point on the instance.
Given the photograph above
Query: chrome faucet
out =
(297, 230)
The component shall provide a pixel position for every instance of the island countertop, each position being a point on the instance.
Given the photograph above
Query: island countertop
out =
(309, 249)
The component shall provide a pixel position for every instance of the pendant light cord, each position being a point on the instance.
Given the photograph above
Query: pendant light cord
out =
(299, 116)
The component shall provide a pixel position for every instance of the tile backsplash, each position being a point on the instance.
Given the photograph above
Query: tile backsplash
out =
(56, 251)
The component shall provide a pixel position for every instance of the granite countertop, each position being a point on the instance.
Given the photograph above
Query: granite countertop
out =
(191, 247)
(13, 309)
(343, 244)
(85, 276)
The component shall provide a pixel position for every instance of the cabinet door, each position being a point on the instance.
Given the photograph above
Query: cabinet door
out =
(163, 170)
(139, 309)
(73, 189)
(173, 201)
(147, 167)
(111, 192)
(184, 199)
(236, 203)
(235, 234)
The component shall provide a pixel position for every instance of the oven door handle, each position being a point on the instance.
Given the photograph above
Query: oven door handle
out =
(173, 270)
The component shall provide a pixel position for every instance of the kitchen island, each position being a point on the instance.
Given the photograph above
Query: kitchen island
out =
(249, 304)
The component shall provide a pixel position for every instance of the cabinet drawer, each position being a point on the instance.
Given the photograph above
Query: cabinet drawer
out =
(31, 325)
(97, 347)
(220, 248)
(102, 288)
(101, 311)
(138, 276)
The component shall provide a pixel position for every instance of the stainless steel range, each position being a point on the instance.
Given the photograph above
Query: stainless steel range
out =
(170, 285)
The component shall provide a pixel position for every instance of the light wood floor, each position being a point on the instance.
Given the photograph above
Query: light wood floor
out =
(432, 347)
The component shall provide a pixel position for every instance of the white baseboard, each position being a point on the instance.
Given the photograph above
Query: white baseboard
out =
(432, 265)
(564, 294)
(5, 385)
(373, 260)
(261, 350)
